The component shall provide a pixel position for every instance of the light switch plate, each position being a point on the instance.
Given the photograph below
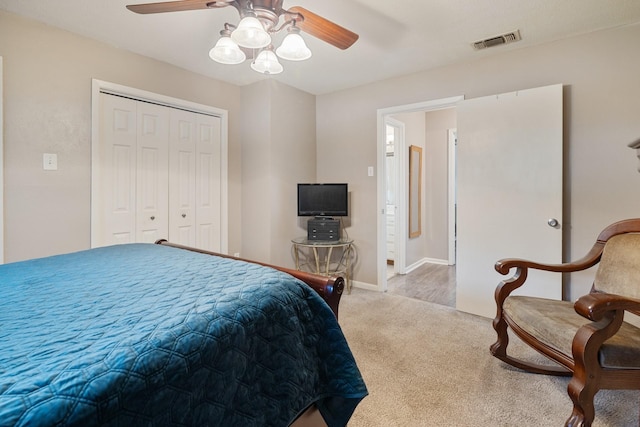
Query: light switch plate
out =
(50, 162)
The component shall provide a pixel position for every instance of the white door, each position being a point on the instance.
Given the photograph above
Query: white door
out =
(509, 176)
(152, 216)
(133, 172)
(208, 183)
(182, 178)
(115, 174)
(195, 180)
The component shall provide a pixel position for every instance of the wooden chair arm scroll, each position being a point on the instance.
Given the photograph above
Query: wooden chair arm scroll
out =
(522, 266)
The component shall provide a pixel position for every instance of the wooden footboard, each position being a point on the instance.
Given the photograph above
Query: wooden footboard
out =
(329, 288)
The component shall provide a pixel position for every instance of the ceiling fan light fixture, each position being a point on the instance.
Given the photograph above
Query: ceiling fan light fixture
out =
(226, 51)
(251, 34)
(260, 19)
(267, 62)
(293, 48)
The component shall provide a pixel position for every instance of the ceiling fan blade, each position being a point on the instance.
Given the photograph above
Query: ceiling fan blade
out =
(176, 6)
(324, 29)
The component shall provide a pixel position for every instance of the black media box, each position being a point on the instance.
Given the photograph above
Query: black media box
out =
(323, 229)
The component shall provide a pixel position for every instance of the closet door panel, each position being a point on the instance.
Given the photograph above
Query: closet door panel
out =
(117, 176)
(156, 174)
(208, 183)
(182, 173)
(152, 219)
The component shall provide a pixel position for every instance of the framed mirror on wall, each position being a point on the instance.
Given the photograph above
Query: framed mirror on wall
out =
(415, 191)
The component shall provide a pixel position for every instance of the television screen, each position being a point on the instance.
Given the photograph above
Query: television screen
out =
(323, 200)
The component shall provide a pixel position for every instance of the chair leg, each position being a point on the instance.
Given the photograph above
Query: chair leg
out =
(582, 392)
(579, 419)
(499, 348)
(587, 373)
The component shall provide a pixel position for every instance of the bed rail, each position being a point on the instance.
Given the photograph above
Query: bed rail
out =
(329, 288)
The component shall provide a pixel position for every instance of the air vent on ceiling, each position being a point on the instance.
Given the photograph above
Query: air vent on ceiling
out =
(511, 37)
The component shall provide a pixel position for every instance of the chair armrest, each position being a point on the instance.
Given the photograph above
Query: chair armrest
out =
(522, 267)
(595, 305)
(592, 258)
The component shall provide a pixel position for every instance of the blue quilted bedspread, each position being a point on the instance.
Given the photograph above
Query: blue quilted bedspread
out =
(144, 334)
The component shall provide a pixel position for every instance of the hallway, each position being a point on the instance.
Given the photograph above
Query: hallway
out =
(430, 282)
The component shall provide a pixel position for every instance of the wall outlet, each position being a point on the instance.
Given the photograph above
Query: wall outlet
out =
(370, 171)
(236, 254)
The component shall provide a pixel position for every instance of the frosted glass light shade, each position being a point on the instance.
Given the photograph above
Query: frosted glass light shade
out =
(250, 33)
(267, 63)
(226, 51)
(293, 48)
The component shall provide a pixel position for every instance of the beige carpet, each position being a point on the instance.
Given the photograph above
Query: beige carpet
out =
(429, 365)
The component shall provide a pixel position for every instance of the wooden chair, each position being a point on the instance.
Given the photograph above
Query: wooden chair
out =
(587, 339)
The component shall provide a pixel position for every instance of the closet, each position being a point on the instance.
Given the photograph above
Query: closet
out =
(157, 175)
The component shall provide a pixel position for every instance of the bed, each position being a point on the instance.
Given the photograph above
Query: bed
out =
(155, 334)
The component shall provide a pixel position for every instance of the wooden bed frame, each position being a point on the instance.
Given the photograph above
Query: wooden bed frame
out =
(329, 288)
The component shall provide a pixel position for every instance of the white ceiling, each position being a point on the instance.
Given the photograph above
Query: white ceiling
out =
(397, 37)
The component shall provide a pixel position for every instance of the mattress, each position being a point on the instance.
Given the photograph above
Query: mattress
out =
(144, 334)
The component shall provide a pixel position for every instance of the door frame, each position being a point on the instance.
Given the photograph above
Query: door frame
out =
(400, 190)
(382, 113)
(98, 86)
(452, 142)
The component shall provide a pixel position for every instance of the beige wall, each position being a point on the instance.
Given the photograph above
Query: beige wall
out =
(47, 98)
(47, 87)
(47, 109)
(436, 175)
(279, 150)
(256, 169)
(602, 103)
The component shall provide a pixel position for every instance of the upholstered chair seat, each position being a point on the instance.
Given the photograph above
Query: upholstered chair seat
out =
(556, 323)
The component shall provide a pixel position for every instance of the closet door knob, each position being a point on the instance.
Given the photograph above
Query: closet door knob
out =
(553, 222)
(184, 215)
(152, 218)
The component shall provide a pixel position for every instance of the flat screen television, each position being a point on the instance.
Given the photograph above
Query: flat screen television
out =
(323, 200)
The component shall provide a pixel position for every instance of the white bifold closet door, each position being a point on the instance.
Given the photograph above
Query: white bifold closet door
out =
(158, 175)
(194, 180)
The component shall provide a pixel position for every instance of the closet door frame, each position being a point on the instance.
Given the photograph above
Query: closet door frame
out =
(98, 86)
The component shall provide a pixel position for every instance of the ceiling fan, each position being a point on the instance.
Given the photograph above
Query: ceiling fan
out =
(260, 20)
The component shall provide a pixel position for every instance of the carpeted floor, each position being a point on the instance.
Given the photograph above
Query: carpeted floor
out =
(429, 365)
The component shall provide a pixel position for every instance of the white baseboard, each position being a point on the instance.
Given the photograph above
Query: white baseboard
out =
(363, 285)
(418, 263)
(437, 261)
(410, 268)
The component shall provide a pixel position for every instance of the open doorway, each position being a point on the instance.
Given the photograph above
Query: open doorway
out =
(402, 264)
(394, 191)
